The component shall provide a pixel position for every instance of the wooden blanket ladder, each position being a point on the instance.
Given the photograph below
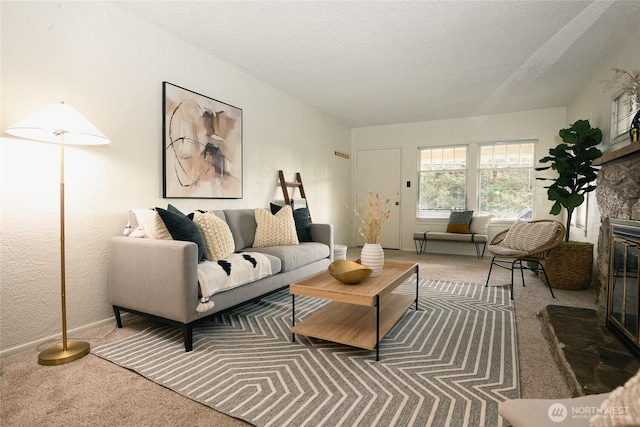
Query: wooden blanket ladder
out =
(295, 184)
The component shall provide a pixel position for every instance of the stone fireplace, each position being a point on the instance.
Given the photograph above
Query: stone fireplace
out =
(618, 196)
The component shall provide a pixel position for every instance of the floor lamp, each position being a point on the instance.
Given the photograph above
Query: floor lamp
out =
(60, 124)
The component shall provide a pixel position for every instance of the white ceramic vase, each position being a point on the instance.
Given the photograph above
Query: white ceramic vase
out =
(372, 256)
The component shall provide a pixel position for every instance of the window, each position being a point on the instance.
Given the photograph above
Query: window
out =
(507, 179)
(442, 177)
(623, 109)
(579, 218)
(494, 178)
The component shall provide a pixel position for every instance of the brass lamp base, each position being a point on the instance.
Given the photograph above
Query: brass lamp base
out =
(56, 355)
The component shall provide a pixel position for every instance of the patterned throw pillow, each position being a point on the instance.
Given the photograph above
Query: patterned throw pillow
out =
(218, 240)
(275, 230)
(459, 222)
(526, 236)
(621, 408)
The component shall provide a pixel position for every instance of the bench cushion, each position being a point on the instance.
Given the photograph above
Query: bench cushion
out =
(456, 237)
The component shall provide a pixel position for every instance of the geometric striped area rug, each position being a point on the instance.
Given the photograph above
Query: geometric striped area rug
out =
(447, 364)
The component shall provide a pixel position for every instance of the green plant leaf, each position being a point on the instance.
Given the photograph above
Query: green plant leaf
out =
(572, 160)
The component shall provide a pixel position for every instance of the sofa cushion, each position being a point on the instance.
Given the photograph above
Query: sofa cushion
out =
(182, 228)
(295, 256)
(217, 236)
(275, 230)
(276, 263)
(242, 223)
(459, 222)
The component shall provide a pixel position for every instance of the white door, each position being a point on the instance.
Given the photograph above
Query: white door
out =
(378, 170)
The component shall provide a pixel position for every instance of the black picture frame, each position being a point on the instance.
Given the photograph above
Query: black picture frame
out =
(202, 146)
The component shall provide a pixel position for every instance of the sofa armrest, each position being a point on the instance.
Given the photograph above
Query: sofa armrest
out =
(323, 233)
(535, 412)
(158, 277)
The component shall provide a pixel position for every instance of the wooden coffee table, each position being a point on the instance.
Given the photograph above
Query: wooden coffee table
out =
(360, 315)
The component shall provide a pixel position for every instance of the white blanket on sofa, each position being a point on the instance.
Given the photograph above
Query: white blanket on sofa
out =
(235, 270)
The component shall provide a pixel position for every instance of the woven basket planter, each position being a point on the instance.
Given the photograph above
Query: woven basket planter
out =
(569, 266)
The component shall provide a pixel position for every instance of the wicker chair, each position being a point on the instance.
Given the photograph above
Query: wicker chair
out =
(525, 241)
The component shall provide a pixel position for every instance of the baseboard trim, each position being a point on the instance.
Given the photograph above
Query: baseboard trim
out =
(73, 334)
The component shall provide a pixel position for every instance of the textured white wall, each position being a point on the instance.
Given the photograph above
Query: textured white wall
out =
(110, 67)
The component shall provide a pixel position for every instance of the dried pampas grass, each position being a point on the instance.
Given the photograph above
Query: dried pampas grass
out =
(372, 219)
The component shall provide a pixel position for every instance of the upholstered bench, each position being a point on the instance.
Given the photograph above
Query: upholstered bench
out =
(421, 240)
(477, 234)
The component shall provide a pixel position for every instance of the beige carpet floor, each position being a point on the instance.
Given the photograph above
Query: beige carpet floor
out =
(92, 391)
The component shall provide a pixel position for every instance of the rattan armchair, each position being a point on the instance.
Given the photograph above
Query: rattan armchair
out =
(525, 241)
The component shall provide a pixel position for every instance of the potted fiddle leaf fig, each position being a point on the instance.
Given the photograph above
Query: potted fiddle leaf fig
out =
(573, 161)
(569, 265)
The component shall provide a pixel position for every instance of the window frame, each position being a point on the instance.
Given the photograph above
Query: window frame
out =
(445, 212)
(620, 124)
(530, 168)
(473, 171)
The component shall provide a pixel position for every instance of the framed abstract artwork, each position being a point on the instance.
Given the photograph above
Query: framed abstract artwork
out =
(202, 146)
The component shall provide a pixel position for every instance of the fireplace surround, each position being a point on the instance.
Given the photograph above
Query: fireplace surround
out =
(618, 196)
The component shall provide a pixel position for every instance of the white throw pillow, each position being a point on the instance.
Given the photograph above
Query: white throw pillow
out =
(480, 224)
(146, 223)
(275, 230)
(218, 240)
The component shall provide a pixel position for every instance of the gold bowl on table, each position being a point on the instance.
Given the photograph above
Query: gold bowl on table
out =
(349, 272)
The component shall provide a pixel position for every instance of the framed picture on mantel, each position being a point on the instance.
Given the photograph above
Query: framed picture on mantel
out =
(202, 146)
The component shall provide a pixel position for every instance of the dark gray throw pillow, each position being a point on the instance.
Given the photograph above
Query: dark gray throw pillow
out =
(182, 228)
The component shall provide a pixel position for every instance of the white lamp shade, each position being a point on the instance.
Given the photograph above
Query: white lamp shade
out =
(49, 123)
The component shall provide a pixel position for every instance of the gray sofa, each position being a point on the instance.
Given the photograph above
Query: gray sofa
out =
(158, 278)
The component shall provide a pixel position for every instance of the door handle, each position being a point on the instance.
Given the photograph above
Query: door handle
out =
(397, 203)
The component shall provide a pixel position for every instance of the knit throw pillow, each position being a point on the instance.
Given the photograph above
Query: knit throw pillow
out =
(217, 236)
(275, 230)
(621, 408)
(301, 219)
(459, 222)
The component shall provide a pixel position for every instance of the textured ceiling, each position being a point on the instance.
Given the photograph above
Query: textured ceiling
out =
(373, 63)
